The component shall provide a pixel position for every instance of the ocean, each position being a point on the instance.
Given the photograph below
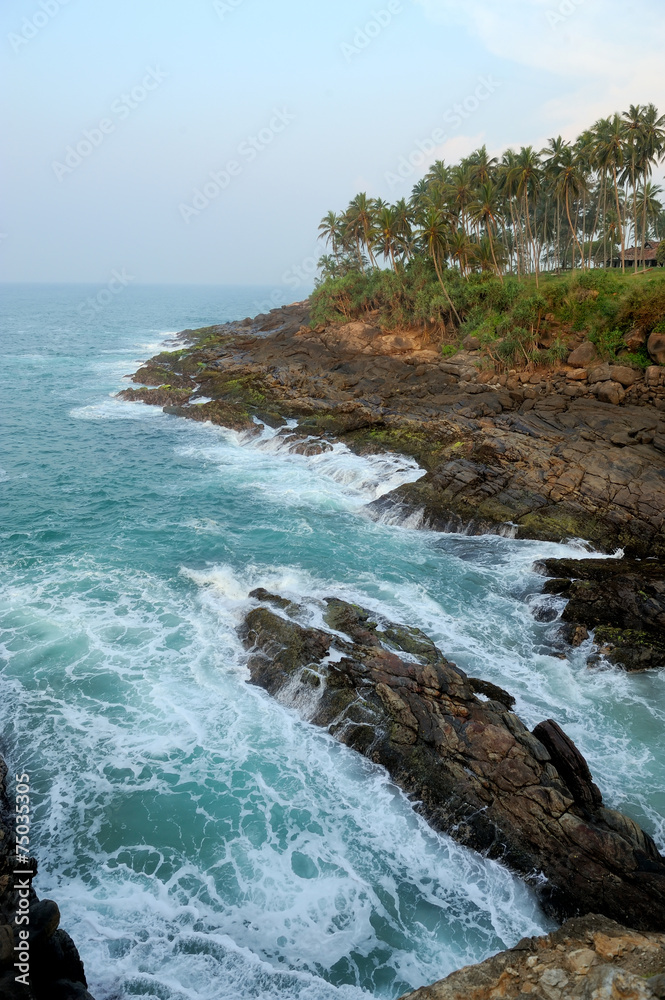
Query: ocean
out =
(202, 842)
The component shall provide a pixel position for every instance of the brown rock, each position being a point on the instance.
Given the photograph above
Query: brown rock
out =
(610, 392)
(600, 373)
(624, 375)
(577, 375)
(471, 343)
(656, 348)
(583, 355)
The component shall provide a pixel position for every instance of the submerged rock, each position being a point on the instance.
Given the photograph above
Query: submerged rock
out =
(477, 772)
(589, 958)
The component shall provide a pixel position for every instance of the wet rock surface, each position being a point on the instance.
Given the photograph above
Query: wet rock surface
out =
(575, 452)
(588, 958)
(454, 744)
(56, 971)
(622, 600)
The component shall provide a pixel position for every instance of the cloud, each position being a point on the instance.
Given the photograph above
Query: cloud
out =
(606, 54)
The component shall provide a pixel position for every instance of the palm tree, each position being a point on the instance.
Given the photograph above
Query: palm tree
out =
(652, 146)
(388, 233)
(552, 154)
(485, 210)
(330, 230)
(611, 154)
(361, 225)
(459, 191)
(483, 166)
(434, 234)
(648, 205)
(633, 130)
(404, 225)
(526, 174)
(461, 249)
(570, 181)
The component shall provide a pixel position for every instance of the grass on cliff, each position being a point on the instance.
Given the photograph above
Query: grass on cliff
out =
(515, 321)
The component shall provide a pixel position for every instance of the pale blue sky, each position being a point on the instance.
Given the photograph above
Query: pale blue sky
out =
(338, 120)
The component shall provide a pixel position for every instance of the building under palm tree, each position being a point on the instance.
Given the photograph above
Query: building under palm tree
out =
(647, 257)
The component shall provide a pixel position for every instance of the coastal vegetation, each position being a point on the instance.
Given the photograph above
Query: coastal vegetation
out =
(522, 252)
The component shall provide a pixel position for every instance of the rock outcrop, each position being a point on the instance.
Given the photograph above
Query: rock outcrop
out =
(589, 958)
(553, 454)
(623, 600)
(454, 744)
(55, 968)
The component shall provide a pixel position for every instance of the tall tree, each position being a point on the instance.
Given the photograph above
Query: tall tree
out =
(434, 234)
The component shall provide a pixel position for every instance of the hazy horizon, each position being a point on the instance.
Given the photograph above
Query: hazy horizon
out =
(121, 119)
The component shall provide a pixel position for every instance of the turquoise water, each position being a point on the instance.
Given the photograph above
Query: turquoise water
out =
(204, 843)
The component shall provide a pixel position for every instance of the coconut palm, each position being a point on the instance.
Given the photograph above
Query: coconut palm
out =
(652, 147)
(360, 223)
(388, 233)
(330, 230)
(610, 154)
(527, 174)
(485, 209)
(552, 160)
(459, 191)
(648, 205)
(633, 131)
(570, 182)
(434, 236)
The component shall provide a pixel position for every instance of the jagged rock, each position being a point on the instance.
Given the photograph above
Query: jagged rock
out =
(588, 958)
(623, 600)
(476, 771)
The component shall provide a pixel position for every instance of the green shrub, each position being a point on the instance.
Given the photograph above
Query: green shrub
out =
(449, 350)
(557, 352)
(643, 306)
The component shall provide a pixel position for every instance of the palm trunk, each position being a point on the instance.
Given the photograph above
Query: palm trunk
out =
(574, 232)
(632, 172)
(621, 232)
(530, 234)
(445, 290)
(496, 266)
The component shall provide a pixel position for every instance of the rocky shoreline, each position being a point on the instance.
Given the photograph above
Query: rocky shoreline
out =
(55, 967)
(576, 452)
(543, 454)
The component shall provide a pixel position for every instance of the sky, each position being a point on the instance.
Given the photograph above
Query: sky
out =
(201, 141)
